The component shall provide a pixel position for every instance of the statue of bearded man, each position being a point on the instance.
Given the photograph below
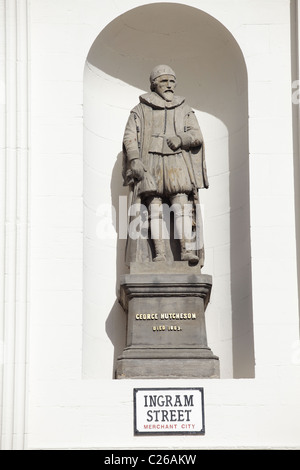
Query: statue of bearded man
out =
(164, 163)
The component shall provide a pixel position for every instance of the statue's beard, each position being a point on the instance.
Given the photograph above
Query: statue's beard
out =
(168, 95)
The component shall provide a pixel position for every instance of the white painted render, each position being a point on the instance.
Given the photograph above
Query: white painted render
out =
(70, 73)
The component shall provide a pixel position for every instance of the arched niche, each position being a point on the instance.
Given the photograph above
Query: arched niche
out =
(212, 75)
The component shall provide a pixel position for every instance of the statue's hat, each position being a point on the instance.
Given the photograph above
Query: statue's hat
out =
(161, 70)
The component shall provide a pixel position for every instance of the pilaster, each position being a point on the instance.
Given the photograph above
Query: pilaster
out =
(14, 221)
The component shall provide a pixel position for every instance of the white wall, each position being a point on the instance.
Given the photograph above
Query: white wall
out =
(64, 410)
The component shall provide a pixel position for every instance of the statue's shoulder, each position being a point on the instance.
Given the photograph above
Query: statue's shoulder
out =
(187, 109)
(137, 110)
(142, 109)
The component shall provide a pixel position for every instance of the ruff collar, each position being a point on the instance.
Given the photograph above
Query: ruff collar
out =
(157, 102)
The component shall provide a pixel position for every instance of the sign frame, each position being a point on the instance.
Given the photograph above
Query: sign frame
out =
(138, 432)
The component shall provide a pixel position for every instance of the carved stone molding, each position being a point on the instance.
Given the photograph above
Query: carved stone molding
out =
(14, 174)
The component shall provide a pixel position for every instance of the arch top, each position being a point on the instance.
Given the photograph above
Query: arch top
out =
(196, 45)
(169, 18)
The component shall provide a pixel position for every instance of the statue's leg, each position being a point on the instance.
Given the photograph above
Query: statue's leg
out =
(183, 217)
(156, 227)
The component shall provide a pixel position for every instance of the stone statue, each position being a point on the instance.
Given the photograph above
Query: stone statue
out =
(165, 295)
(164, 163)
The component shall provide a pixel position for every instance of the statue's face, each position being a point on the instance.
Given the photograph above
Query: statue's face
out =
(165, 87)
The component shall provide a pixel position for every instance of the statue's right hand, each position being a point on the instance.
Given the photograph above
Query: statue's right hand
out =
(138, 169)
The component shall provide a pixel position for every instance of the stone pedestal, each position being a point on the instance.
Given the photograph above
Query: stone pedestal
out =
(166, 333)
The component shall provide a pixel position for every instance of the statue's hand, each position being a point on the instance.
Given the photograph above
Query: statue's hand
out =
(138, 169)
(174, 142)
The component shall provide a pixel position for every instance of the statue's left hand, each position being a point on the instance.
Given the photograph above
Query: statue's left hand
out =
(138, 169)
(174, 142)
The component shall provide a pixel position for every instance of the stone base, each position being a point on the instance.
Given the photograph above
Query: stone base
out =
(166, 332)
(167, 364)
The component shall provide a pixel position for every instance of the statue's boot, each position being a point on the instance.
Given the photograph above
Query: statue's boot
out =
(186, 254)
(183, 228)
(157, 228)
(159, 247)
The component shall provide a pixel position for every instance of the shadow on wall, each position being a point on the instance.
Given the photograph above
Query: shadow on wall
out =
(116, 335)
(211, 74)
(296, 141)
